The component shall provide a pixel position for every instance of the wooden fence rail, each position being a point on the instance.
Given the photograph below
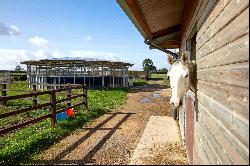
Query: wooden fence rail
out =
(35, 106)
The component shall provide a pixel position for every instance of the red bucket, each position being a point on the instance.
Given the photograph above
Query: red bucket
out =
(70, 112)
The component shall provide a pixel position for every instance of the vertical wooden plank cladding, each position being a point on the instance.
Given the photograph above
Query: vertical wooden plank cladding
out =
(200, 157)
(234, 52)
(214, 153)
(231, 146)
(189, 128)
(234, 30)
(182, 114)
(232, 10)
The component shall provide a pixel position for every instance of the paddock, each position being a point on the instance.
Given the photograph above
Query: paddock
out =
(95, 73)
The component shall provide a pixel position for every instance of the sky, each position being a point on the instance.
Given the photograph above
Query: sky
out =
(44, 29)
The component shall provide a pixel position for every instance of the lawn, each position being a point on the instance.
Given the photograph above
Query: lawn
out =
(21, 145)
(139, 82)
(158, 76)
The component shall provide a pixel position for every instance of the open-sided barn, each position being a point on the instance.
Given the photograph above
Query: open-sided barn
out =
(214, 119)
(95, 73)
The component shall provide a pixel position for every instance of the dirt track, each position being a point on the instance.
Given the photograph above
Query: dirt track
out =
(113, 137)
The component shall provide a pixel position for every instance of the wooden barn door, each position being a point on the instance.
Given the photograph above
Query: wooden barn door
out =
(190, 127)
(191, 101)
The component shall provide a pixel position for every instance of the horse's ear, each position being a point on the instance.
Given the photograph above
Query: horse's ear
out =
(170, 60)
(184, 56)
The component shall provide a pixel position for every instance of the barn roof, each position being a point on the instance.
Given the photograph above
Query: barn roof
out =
(159, 21)
(77, 61)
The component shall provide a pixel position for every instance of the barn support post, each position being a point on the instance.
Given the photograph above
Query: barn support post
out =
(39, 77)
(46, 75)
(113, 80)
(110, 82)
(85, 97)
(53, 108)
(84, 72)
(89, 82)
(74, 73)
(68, 95)
(123, 77)
(102, 78)
(59, 81)
(28, 74)
(34, 98)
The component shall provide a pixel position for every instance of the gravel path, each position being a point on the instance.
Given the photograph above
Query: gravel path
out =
(113, 137)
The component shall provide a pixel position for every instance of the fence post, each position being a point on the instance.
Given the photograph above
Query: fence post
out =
(68, 95)
(85, 97)
(4, 91)
(53, 108)
(34, 98)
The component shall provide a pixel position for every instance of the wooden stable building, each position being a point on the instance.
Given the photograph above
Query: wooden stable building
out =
(56, 73)
(214, 119)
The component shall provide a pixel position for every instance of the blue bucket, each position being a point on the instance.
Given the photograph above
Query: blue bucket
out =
(61, 116)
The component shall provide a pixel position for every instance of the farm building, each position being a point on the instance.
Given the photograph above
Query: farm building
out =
(214, 119)
(95, 73)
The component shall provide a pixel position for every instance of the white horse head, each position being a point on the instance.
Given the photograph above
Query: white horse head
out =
(179, 76)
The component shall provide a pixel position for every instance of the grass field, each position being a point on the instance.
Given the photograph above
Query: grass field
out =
(19, 146)
(158, 76)
(139, 82)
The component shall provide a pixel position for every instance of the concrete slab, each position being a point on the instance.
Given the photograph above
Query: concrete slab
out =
(159, 137)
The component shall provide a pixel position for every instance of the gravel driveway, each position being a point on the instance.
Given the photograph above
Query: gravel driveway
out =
(113, 137)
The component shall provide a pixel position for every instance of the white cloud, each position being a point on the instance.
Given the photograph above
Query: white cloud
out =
(13, 57)
(9, 30)
(14, 30)
(42, 54)
(87, 38)
(39, 42)
(94, 54)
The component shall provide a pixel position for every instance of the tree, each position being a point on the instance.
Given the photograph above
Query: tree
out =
(163, 71)
(148, 66)
(19, 68)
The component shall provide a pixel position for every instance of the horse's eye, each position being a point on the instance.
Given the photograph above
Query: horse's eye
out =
(185, 76)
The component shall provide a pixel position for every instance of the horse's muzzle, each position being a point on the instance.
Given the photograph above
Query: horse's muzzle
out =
(173, 105)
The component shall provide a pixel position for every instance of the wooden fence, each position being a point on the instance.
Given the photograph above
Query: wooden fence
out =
(35, 106)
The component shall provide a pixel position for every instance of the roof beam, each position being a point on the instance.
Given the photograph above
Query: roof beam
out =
(167, 31)
(136, 10)
(167, 37)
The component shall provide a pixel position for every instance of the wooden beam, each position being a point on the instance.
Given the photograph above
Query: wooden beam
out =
(167, 31)
(172, 36)
(135, 9)
(170, 44)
